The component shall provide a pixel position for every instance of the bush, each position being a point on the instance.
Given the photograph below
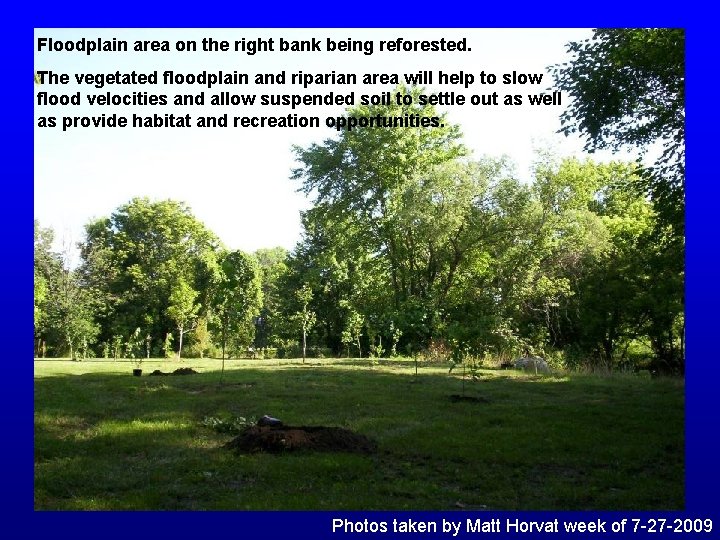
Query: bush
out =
(295, 351)
(321, 352)
(196, 350)
(229, 424)
(289, 350)
(437, 351)
(555, 359)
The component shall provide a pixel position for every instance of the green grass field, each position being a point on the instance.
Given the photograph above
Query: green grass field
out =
(107, 440)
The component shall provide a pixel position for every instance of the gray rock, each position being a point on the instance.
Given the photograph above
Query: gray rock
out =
(532, 364)
(268, 421)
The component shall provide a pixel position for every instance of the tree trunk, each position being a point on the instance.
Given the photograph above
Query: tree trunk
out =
(608, 348)
(682, 348)
(180, 329)
(70, 344)
(224, 338)
(304, 344)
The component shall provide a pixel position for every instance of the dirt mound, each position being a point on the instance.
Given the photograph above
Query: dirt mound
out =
(178, 371)
(309, 438)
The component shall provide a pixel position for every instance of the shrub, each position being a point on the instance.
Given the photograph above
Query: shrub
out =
(228, 424)
(270, 353)
(167, 346)
(437, 351)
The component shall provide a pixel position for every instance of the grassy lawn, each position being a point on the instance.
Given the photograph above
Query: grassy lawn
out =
(107, 440)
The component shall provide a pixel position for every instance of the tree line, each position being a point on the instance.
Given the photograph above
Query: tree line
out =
(413, 246)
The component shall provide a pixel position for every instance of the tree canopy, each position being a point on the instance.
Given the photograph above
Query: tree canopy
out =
(412, 246)
(628, 89)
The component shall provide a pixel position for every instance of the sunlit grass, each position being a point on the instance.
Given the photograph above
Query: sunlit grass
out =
(107, 440)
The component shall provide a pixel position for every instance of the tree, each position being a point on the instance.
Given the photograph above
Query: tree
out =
(47, 268)
(167, 347)
(70, 311)
(337, 271)
(305, 317)
(440, 249)
(373, 188)
(202, 336)
(628, 89)
(273, 266)
(39, 295)
(353, 329)
(64, 314)
(135, 259)
(592, 281)
(237, 296)
(182, 309)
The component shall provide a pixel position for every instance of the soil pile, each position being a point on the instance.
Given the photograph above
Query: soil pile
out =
(178, 371)
(307, 438)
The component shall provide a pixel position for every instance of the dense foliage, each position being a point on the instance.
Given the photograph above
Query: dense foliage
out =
(413, 247)
(628, 90)
(457, 255)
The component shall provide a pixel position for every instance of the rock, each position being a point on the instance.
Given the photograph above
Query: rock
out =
(532, 364)
(269, 421)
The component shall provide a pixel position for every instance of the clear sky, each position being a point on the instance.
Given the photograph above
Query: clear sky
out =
(237, 180)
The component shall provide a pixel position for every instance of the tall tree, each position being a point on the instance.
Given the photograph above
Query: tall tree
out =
(136, 258)
(64, 309)
(70, 311)
(182, 309)
(628, 89)
(305, 317)
(367, 185)
(39, 294)
(46, 269)
(273, 266)
(237, 297)
(338, 271)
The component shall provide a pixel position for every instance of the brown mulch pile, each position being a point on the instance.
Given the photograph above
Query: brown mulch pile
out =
(178, 371)
(312, 438)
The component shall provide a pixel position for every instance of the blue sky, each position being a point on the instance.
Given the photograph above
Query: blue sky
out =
(237, 180)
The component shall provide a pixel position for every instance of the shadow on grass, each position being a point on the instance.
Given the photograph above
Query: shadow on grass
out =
(525, 443)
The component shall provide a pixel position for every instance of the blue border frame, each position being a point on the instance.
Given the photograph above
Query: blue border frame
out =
(702, 477)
